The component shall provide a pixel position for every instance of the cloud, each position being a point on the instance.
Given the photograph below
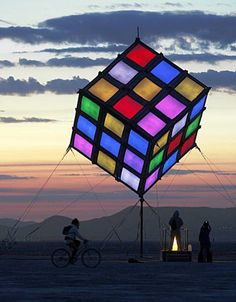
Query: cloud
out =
(92, 173)
(109, 48)
(111, 27)
(67, 62)
(59, 86)
(78, 62)
(22, 87)
(233, 48)
(4, 22)
(84, 62)
(218, 79)
(125, 5)
(198, 171)
(6, 63)
(203, 57)
(12, 120)
(173, 4)
(11, 86)
(13, 177)
(25, 62)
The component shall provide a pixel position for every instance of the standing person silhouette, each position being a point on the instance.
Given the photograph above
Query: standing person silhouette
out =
(205, 243)
(175, 224)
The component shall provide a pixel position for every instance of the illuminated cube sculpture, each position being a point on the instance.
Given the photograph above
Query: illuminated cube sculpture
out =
(138, 117)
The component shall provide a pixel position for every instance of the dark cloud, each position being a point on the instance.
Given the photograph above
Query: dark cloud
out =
(110, 48)
(21, 87)
(12, 120)
(125, 5)
(13, 86)
(25, 62)
(13, 177)
(78, 62)
(173, 4)
(198, 171)
(86, 174)
(233, 48)
(120, 27)
(67, 62)
(218, 79)
(109, 27)
(88, 62)
(6, 22)
(6, 63)
(93, 6)
(204, 57)
(59, 86)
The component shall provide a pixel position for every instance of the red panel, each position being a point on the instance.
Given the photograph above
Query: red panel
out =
(188, 144)
(174, 143)
(140, 55)
(128, 106)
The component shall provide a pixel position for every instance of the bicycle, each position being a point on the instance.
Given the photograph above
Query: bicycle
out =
(90, 257)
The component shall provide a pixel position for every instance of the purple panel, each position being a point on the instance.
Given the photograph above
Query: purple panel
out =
(151, 124)
(83, 145)
(170, 106)
(133, 161)
(122, 72)
(151, 179)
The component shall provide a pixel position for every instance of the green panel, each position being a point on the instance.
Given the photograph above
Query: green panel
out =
(156, 160)
(90, 107)
(193, 126)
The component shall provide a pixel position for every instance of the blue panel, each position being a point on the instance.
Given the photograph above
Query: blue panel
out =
(138, 142)
(165, 72)
(198, 107)
(86, 127)
(110, 144)
(170, 162)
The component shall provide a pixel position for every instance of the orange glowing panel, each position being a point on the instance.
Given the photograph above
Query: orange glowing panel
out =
(103, 90)
(189, 89)
(147, 89)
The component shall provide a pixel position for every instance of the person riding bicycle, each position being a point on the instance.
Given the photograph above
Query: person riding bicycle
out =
(72, 237)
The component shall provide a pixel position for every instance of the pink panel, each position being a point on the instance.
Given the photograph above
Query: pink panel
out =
(83, 145)
(151, 124)
(170, 106)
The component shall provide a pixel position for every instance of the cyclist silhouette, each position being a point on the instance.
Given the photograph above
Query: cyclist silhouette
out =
(73, 236)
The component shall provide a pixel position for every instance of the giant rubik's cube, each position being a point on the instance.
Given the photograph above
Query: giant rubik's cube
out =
(138, 117)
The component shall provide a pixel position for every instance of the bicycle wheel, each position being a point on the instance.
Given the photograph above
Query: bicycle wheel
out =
(60, 258)
(91, 258)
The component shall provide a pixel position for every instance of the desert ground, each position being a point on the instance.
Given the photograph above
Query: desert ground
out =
(27, 274)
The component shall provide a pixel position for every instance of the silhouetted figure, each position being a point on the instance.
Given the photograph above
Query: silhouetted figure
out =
(205, 254)
(72, 237)
(175, 225)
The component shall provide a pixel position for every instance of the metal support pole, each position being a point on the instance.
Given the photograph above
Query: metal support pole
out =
(141, 226)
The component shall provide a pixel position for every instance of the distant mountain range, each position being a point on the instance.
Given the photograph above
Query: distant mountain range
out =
(126, 223)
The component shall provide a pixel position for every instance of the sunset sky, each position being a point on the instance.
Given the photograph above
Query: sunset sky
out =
(51, 49)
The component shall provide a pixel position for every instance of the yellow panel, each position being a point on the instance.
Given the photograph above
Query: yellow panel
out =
(106, 162)
(103, 90)
(147, 89)
(189, 89)
(114, 125)
(160, 143)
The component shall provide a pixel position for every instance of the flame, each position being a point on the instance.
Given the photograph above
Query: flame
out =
(175, 245)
